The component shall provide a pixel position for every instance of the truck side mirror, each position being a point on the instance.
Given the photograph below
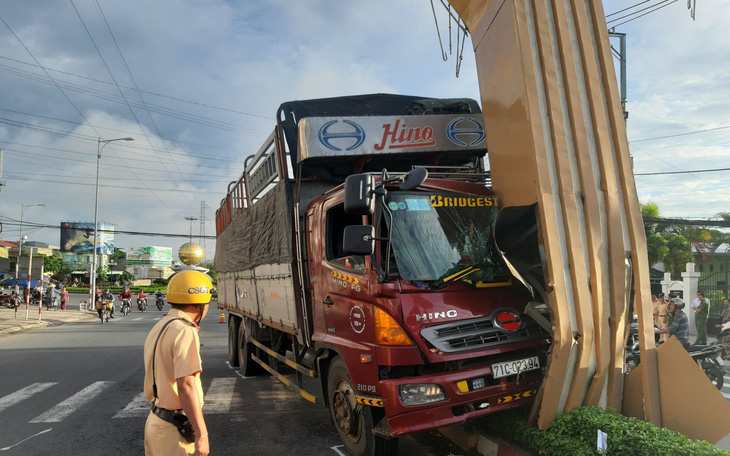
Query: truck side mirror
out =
(413, 179)
(359, 240)
(358, 194)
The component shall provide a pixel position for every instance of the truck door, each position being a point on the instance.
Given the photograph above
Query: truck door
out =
(341, 286)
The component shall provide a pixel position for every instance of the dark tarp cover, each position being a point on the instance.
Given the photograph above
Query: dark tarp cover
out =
(261, 235)
(378, 104)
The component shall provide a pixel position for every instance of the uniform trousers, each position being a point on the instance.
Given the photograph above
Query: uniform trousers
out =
(162, 439)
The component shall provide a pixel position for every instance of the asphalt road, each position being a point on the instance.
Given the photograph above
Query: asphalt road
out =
(75, 389)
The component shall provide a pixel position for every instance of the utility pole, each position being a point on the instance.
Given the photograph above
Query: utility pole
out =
(191, 219)
(622, 61)
(2, 182)
(201, 241)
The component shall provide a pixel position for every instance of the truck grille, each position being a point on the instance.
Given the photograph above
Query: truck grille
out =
(477, 333)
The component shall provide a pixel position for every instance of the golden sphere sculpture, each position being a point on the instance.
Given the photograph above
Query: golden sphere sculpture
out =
(191, 253)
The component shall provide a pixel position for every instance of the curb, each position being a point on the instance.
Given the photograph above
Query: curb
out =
(482, 444)
(11, 326)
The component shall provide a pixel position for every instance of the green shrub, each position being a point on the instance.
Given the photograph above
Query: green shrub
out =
(575, 434)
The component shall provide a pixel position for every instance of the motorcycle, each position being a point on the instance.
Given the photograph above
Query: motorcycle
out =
(708, 357)
(126, 306)
(9, 301)
(160, 303)
(142, 304)
(104, 307)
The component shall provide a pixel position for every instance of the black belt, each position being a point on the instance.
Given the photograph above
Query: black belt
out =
(165, 414)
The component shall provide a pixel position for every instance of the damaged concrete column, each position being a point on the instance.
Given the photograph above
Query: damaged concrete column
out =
(558, 150)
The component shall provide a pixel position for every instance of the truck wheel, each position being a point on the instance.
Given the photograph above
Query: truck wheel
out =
(234, 325)
(354, 422)
(247, 366)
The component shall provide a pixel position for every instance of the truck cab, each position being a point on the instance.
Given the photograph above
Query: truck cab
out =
(358, 249)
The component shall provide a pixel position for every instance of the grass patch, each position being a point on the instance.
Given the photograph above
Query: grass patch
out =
(575, 434)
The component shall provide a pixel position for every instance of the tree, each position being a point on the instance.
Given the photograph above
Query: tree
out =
(52, 264)
(125, 278)
(118, 254)
(679, 254)
(656, 247)
(102, 274)
(655, 243)
(213, 275)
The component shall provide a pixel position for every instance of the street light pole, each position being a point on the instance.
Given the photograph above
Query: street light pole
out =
(20, 242)
(99, 146)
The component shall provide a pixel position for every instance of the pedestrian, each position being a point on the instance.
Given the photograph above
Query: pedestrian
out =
(175, 425)
(680, 324)
(661, 314)
(64, 298)
(701, 312)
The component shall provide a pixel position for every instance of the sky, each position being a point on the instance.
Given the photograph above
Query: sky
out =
(197, 83)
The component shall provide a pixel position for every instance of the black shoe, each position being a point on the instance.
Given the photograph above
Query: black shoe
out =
(112, 316)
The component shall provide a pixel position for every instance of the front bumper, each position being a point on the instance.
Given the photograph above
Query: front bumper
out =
(459, 406)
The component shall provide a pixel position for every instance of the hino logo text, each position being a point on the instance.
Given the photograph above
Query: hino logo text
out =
(436, 315)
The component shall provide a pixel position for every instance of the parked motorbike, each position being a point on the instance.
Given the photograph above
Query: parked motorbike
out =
(142, 304)
(126, 306)
(724, 332)
(708, 357)
(160, 303)
(9, 301)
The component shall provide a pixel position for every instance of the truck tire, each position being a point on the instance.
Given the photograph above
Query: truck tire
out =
(247, 366)
(354, 422)
(234, 325)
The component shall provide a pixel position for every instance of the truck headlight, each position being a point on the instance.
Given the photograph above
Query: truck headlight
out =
(420, 393)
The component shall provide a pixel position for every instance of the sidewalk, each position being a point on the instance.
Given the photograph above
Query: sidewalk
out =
(11, 323)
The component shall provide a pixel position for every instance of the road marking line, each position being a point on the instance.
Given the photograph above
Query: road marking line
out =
(235, 369)
(73, 403)
(138, 407)
(23, 394)
(336, 449)
(219, 395)
(34, 435)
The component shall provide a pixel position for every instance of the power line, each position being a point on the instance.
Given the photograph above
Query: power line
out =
(642, 15)
(32, 225)
(683, 172)
(689, 222)
(626, 9)
(134, 115)
(175, 114)
(144, 91)
(680, 134)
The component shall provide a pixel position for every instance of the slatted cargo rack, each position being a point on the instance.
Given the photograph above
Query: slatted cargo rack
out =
(260, 171)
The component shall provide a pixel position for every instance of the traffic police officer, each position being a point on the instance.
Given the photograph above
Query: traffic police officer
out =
(172, 370)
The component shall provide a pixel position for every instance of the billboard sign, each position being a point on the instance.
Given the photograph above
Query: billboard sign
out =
(159, 256)
(78, 237)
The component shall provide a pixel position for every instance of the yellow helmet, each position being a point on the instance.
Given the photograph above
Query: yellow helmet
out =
(189, 287)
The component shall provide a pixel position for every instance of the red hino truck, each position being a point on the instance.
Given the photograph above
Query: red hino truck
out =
(357, 261)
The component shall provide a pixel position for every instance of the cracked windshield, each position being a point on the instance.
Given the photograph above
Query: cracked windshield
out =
(436, 236)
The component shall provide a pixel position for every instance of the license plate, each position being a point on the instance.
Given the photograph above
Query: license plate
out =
(500, 370)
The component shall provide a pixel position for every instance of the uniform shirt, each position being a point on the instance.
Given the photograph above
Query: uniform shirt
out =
(680, 328)
(696, 303)
(177, 356)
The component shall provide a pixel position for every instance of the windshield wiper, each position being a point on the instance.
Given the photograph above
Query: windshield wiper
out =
(441, 283)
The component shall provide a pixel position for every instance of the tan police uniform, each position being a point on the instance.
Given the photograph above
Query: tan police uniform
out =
(178, 355)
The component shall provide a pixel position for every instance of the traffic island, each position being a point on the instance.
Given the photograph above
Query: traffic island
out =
(12, 322)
